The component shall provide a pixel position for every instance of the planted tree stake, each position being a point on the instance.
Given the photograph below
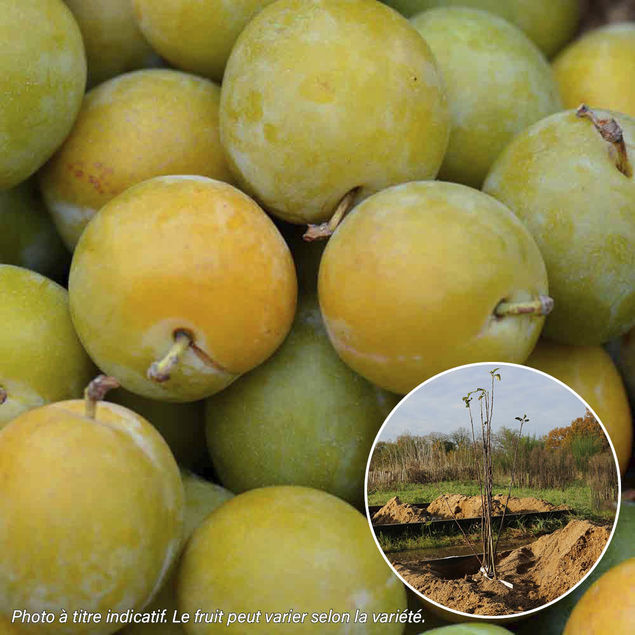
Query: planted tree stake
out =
(485, 474)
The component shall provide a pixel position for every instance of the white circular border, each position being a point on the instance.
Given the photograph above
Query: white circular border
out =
(507, 616)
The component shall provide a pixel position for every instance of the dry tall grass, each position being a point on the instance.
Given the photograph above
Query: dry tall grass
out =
(437, 457)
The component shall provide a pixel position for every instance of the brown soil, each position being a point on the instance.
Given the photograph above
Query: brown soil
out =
(470, 506)
(394, 511)
(540, 572)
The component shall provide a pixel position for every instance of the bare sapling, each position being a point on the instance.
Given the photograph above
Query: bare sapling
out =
(482, 462)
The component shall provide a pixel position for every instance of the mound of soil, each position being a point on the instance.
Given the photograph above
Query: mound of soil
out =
(394, 511)
(540, 572)
(470, 506)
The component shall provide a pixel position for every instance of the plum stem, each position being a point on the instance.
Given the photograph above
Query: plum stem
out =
(96, 391)
(3, 395)
(323, 231)
(160, 371)
(611, 132)
(542, 306)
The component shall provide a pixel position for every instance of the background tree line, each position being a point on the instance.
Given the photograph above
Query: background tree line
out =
(566, 454)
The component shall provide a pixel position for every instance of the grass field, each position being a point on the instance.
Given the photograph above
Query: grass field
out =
(577, 495)
(437, 541)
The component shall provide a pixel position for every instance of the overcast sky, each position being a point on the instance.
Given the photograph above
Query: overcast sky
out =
(438, 406)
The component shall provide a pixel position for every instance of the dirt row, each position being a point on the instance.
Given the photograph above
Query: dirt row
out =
(540, 572)
(448, 506)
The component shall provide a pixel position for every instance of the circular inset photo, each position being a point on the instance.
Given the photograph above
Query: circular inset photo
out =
(492, 490)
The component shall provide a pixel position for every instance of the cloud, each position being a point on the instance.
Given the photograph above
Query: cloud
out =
(438, 407)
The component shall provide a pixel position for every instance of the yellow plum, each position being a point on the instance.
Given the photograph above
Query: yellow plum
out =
(199, 287)
(91, 510)
(325, 98)
(131, 128)
(590, 371)
(597, 69)
(285, 548)
(608, 606)
(426, 276)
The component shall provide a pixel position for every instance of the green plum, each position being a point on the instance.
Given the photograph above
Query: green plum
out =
(201, 499)
(301, 418)
(281, 549)
(552, 620)
(575, 192)
(182, 425)
(192, 35)
(498, 83)
(325, 98)
(114, 44)
(42, 80)
(550, 24)
(28, 237)
(41, 359)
